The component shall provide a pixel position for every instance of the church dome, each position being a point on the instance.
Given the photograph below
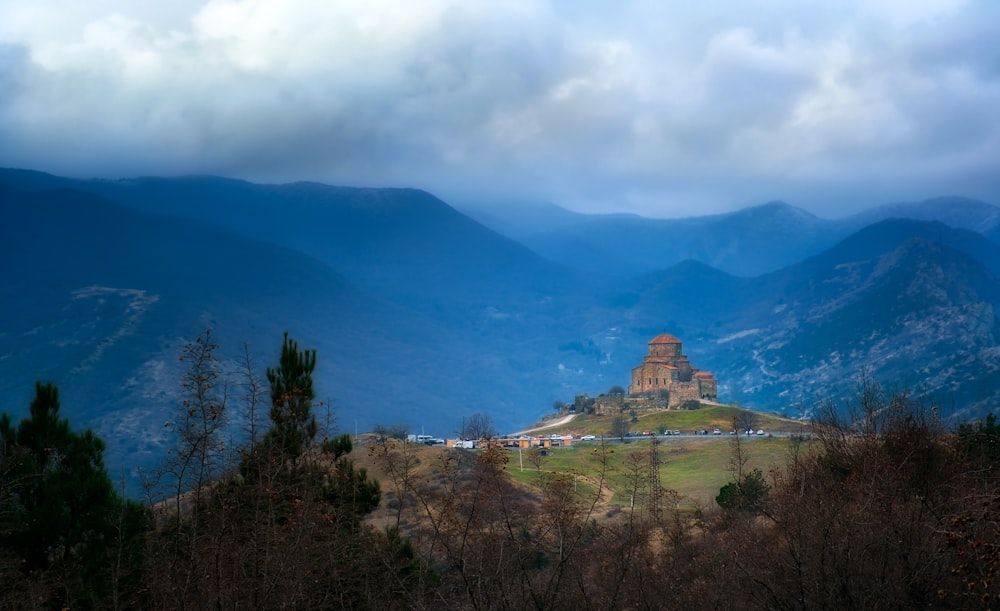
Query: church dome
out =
(664, 338)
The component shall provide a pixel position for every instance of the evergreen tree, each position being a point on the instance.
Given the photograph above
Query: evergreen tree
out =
(294, 425)
(62, 514)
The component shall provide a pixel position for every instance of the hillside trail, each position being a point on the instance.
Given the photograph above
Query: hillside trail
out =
(548, 425)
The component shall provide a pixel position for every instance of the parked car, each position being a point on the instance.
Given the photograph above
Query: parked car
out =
(716, 431)
(760, 432)
(588, 438)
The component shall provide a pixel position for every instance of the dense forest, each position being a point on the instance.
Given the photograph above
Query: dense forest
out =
(881, 507)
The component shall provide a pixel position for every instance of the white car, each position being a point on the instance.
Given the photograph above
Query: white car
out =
(760, 432)
(588, 438)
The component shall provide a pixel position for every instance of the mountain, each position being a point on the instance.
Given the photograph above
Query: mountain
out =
(421, 314)
(958, 212)
(403, 245)
(916, 302)
(101, 298)
(747, 242)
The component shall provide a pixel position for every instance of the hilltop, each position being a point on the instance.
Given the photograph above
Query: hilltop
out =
(706, 417)
(694, 465)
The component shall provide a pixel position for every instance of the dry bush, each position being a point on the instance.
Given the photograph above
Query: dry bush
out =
(878, 518)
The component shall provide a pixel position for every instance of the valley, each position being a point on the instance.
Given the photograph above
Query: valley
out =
(421, 314)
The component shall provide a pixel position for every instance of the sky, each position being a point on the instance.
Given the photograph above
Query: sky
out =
(656, 107)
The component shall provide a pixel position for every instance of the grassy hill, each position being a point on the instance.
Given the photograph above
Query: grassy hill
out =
(695, 466)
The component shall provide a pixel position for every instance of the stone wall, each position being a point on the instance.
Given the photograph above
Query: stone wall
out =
(684, 391)
(609, 404)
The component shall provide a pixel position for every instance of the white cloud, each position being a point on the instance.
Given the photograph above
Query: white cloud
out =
(643, 106)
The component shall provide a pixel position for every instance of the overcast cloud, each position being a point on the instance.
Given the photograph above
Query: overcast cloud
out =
(656, 107)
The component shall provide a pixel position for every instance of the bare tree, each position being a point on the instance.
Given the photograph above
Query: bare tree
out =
(192, 465)
(399, 461)
(535, 458)
(620, 425)
(253, 391)
(385, 432)
(745, 421)
(478, 426)
(503, 546)
(636, 466)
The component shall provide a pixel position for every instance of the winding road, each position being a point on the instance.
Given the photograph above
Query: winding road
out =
(548, 425)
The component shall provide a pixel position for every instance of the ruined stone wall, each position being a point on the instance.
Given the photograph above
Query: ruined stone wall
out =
(684, 391)
(609, 404)
(643, 403)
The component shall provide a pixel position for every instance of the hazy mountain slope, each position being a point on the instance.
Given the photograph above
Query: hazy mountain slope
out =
(898, 297)
(100, 299)
(748, 242)
(745, 243)
(412, 249)
(408, 248)
(958, 212)
(922, 316)
(402, 244)
(385, 232)
(520, 219)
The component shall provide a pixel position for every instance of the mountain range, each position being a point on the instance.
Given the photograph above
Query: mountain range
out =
(748, 242)
(423, 314)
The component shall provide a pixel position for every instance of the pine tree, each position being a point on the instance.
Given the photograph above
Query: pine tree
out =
(62, 513)
(294, 425)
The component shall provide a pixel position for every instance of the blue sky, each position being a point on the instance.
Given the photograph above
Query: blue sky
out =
(654, 107)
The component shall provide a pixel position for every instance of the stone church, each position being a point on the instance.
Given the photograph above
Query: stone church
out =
(665, 373)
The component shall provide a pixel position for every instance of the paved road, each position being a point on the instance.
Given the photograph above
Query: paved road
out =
(548, 425)
(686, 436)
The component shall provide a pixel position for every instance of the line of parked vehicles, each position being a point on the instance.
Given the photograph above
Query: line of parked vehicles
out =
(425, 439)
(666, 432)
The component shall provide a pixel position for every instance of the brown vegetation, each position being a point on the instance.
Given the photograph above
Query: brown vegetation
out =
(882, 509)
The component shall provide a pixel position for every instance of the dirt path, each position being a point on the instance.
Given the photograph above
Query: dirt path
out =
(548, 425)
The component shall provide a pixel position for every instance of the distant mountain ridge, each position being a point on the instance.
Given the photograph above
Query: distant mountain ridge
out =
(747, 242)
(958, 212)
(422, 315)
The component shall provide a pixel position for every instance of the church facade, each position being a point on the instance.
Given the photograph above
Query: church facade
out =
(665, 373)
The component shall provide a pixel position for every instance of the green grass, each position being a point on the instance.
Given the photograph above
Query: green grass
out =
(687, 421)
(694, 467)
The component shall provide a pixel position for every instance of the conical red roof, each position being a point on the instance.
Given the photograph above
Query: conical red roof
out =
(664, 338)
